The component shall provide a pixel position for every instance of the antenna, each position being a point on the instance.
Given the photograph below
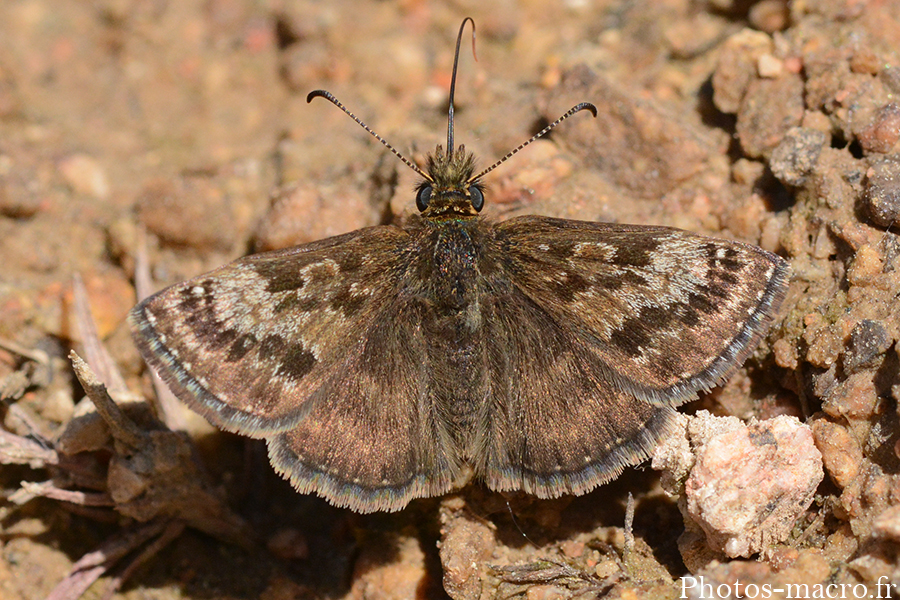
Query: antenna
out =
(575, 109)
(450, 142)
(330, 97)
(450, 147)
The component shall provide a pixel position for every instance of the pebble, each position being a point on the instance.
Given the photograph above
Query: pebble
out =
(769, 15)
(310, 211)
(770, 108)
(882, 194)
(841, 453)
(868, 340)
(750, 484)
(192, 212)
(882, 134)
(735, 67)
(796, 156)
(769, 67)
(85, 175)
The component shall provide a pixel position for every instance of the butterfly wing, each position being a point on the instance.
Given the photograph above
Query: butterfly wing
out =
(595, 330)
(557, 423)
(304, 347)
(668, 312)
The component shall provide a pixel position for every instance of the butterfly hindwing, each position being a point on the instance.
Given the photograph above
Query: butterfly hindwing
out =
(556, 423)
(374, 438)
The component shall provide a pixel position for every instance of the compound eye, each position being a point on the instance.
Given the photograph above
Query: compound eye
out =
(423, 197)
(477, 198)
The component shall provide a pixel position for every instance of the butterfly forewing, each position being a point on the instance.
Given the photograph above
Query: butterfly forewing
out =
(668, 312)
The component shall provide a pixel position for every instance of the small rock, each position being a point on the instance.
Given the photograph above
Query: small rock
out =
(404, 576)
(796, 155)
(307, 212)
(785, 354)
(841, 453)
(868, 262)
(882, 133)
(632, 142)
(191, 212)
(769, 15)
(572, 548)
(673, 455)
(854, 398)
(769, 110)
(864, 60)
(691, 37)
(769, 67)
(868, 340)
(749, 485)
(85, 175)
(736, 67)
(536, 176)
(17, 199)
(882, 196)
(467, 542)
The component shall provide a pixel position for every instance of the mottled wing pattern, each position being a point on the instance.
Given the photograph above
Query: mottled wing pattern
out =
(673, 312)
(247, 346)
(557, 424)
(374, 439)
(584, 318)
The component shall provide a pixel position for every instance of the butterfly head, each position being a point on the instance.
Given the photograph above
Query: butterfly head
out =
(449, 188)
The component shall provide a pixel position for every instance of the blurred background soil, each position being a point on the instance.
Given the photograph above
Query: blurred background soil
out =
(771, 122)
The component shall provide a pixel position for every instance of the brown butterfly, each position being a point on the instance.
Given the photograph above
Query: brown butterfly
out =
(394, 363)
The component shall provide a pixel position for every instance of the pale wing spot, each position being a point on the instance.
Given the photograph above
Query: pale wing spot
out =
(544, 247)
(197, 290)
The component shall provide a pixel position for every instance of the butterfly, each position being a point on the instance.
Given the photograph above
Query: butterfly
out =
(399, 362)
